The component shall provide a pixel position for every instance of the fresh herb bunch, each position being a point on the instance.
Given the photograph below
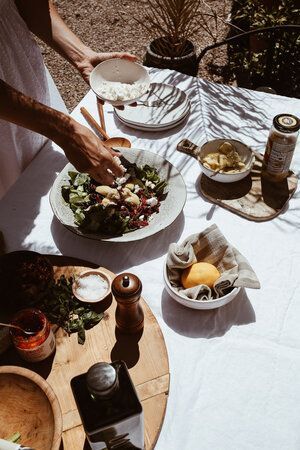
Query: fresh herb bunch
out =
(266, 58)
(125, 207)
(60, 306)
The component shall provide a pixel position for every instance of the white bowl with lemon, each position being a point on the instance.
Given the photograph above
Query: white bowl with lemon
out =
(199, 273)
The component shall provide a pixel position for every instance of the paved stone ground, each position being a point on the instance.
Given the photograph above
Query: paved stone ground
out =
(108, 25)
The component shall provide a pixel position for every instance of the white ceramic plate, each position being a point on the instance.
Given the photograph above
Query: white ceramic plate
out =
(173, 106)
(198, 304)
(118, 70)
(154, 129)
(169, 210)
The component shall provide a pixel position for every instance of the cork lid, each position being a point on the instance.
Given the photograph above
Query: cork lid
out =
(126, 285)
(286, 123)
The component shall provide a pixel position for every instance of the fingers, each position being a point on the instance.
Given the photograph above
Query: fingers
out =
(128, 56)
(109, 168)
(102, 176)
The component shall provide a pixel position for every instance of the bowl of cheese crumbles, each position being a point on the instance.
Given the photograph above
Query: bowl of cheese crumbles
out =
(226, 160)
(119, 81)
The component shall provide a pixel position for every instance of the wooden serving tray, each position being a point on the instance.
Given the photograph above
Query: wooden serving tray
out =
(145, 354)
(254, 197)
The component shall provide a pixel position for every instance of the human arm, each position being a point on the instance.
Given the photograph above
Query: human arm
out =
(82, 148)
(43, 20)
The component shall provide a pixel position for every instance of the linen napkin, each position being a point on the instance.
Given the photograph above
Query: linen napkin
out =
(212, 247)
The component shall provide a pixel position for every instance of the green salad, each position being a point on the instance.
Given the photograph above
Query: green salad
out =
(114, 210)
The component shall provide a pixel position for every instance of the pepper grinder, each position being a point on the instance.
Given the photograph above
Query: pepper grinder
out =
(127, 289)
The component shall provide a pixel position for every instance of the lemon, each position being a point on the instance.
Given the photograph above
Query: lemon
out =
(199, 273)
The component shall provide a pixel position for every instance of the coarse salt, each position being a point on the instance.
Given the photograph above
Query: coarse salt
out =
(91, 287)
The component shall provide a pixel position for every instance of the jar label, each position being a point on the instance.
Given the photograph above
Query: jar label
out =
(278, 157)
(41, 352)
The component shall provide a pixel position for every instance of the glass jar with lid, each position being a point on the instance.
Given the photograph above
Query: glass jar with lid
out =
(280, 146)
(39, 343)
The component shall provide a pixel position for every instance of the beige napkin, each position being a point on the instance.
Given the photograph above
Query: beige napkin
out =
(212, 247)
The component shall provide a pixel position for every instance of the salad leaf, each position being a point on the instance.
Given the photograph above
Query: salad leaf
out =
(123, 212)
(63, 309)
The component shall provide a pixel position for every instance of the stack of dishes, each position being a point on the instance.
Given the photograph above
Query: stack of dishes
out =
(161, 108)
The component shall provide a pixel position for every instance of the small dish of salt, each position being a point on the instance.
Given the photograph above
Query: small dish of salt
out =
(91, 286)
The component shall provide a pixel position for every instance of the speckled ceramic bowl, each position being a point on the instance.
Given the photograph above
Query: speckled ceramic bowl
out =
(170, 207)
(243, 150)
(122, 71)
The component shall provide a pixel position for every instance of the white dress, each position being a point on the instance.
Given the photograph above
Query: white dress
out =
(21, 66)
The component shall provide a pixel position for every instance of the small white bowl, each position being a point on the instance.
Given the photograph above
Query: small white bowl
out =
(85, 274)
(122, 71)
(198, 304)
(243, 150)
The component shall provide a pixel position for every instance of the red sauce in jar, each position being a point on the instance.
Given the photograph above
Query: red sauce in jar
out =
(41, 343)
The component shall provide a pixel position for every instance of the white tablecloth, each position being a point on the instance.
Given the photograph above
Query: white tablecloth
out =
(234, 371)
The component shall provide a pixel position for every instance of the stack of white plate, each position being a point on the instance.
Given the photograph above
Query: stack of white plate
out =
(161, 108)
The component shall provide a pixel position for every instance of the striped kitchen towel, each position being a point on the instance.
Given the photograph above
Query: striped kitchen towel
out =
(212, 247)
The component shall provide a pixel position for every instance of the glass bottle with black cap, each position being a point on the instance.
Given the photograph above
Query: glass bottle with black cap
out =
(109, 407)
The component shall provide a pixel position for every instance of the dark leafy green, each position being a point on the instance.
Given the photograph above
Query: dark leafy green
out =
(92, 216)
(63, 309)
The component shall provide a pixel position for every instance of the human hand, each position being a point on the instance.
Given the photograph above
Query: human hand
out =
(88, 154)
(91, 59)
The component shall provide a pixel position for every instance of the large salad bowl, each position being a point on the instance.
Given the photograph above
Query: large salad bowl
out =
(170, 207)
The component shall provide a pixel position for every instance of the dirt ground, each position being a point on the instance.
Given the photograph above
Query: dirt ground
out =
(108, 25)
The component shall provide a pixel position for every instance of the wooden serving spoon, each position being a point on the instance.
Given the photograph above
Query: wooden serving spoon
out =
(109, 142)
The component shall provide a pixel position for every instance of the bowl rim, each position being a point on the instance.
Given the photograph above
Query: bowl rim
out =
(187, 299)
(50, 394)
(85, 273)
(244, 171)
(118, 102)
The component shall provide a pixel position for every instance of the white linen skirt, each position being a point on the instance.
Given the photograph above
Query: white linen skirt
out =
(21, 66)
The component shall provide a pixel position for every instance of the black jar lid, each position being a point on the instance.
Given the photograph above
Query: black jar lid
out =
(286, 123)
(102, 380)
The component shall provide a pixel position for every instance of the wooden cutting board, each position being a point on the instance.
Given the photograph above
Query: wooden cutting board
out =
(254, 197)
(145, 354)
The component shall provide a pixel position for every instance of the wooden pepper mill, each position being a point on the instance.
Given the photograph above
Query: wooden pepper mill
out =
(127, 289)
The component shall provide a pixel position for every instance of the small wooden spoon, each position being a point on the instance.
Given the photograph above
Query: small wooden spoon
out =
(118, 142)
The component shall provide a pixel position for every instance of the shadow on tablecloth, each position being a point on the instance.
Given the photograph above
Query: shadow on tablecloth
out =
(116, 256)
(207, 323)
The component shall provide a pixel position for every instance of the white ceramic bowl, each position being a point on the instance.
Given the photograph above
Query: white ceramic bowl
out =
(86, 273)
(243, 150)
(198, 304)
(122, 71)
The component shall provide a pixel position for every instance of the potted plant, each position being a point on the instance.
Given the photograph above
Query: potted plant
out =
(172, 23)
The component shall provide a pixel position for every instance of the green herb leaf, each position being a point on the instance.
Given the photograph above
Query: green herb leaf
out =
(64, 310)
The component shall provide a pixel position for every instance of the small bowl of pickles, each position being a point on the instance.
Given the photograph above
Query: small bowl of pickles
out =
(226, 160)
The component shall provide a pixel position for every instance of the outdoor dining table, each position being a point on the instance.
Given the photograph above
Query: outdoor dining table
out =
(234, 370)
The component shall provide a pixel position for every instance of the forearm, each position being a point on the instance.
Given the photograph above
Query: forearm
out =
(81, 146)
(24, 111)
(43, 20)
